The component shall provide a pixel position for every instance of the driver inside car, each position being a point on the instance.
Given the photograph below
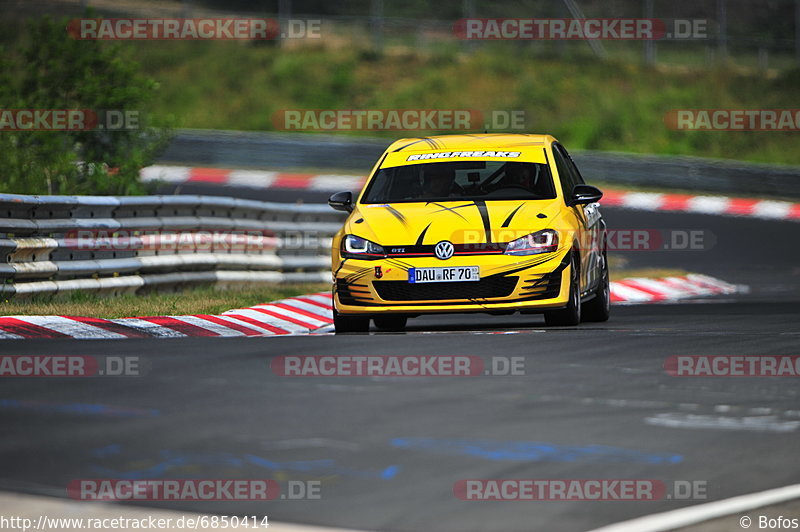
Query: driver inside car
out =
(518, 175)
(438, 181)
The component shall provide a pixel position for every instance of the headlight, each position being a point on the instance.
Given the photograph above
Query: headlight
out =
(355, 247)
(544, 241)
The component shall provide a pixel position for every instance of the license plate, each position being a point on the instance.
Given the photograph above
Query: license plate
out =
(444, 275)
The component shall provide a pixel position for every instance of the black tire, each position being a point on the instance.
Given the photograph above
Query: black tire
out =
(350, 324)
(571, 314)
(599, 307)
(391, 322)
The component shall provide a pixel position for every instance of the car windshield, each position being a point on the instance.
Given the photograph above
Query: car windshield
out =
(472, 180)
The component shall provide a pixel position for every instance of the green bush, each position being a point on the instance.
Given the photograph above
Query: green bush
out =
(50, 70)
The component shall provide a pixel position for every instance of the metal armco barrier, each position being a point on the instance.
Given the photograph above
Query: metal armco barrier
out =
(238, 149)
(115, 245)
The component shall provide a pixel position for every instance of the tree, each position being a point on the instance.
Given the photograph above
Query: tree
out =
(54, 71)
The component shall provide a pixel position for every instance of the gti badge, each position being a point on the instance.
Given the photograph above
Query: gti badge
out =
(378, 272)
(444, 250)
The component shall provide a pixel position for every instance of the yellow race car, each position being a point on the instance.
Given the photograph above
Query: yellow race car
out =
(494, 223)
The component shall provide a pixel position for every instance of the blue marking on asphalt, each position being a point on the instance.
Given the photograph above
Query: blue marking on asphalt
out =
(529, 451)
(108, 450)
(174, 459)
(390, 472)
(78, 408)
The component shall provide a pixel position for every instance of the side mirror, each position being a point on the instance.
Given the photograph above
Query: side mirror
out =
(341, 201)
(585, 194)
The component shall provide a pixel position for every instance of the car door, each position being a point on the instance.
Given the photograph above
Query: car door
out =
(588, 217)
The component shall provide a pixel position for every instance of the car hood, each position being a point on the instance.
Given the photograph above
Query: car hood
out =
(459, 222)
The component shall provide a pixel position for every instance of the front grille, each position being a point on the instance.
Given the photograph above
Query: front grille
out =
(484, 289)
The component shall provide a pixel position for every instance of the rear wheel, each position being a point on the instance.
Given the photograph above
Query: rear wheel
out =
(391, 322)
(571, 314)
(350, 324)
(599, 308)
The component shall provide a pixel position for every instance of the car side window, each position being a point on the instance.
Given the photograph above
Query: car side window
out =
(565, 173)
(577, 177)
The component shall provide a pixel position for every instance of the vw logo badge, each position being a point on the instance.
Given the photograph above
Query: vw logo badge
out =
(444, 250)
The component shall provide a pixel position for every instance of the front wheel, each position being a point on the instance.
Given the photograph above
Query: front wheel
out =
(571, 314)
(349, 324)
(599, 308)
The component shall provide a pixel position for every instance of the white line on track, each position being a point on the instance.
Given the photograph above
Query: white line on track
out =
(682, 517)
(706, 422)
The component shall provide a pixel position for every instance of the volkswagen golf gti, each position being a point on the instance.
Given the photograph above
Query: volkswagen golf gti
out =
(493, 223)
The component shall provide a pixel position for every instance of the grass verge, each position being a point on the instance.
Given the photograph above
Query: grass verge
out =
(195, 301)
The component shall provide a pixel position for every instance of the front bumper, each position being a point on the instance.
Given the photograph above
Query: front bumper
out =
(508, 283)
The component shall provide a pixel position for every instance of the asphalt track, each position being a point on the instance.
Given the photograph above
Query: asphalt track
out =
(594, 402)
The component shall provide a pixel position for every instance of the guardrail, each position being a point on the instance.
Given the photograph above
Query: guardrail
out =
(238, 149)
(115, 245)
